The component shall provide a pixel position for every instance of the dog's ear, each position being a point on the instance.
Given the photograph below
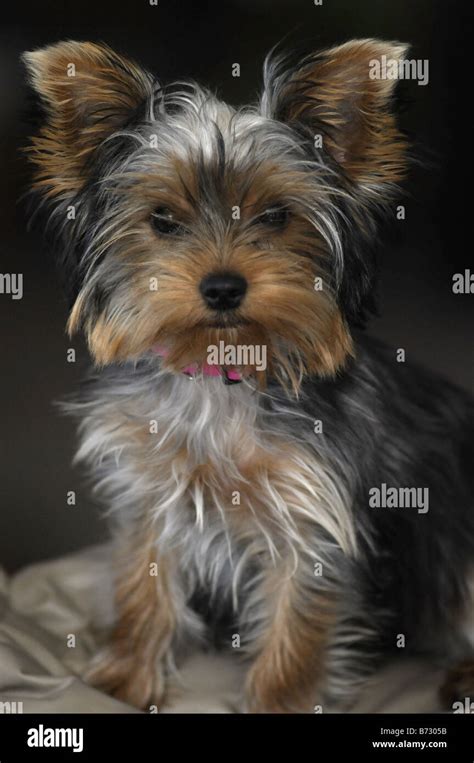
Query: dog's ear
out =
(88, 92)
(338, 94)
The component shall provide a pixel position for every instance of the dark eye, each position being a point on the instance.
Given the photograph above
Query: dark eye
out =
(164, 222)
(274, 216)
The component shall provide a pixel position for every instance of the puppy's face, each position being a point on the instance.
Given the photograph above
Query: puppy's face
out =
(184, 222)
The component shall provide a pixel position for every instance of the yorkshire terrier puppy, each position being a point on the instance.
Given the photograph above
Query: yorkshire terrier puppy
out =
(273, 476)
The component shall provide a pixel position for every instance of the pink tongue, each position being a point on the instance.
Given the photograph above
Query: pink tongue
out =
(204, 368)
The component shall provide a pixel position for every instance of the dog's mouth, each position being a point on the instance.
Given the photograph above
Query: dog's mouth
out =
(226, 345)
(229, 375)
(223, 321)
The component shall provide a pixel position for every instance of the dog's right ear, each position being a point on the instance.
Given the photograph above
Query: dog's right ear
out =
(88, 92)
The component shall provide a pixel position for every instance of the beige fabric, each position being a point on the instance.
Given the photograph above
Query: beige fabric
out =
(44, 605)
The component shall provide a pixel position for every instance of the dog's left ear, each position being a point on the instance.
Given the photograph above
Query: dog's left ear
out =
(340, 95)
(88, 92)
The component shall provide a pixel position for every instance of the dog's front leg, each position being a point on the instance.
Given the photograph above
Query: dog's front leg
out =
(290, 645)
(132, 666)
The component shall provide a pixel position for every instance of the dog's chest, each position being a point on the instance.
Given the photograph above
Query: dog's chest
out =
(225, 457)
(208, 462)
(208, 454)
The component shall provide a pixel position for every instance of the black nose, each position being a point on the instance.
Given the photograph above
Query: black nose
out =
(223, 291)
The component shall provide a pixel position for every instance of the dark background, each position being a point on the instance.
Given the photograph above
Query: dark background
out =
(202, 41)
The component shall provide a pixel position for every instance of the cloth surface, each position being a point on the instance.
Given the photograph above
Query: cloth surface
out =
(50, 617)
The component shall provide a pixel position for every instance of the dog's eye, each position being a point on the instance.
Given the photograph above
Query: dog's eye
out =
(165, 223)
(276, 216)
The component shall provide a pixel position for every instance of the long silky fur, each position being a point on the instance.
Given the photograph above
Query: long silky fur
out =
(172, 453)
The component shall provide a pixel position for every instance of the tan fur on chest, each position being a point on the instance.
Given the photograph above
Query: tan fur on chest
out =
(256, 483)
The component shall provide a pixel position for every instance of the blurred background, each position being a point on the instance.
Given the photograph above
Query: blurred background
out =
(418, 310)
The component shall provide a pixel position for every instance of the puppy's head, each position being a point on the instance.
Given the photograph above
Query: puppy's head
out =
(184, 222)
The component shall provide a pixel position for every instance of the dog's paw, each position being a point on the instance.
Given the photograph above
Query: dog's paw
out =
(128, 679)
(269, 692)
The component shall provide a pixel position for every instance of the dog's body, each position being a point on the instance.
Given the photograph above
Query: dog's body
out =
(254, 501)
(248, 505)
